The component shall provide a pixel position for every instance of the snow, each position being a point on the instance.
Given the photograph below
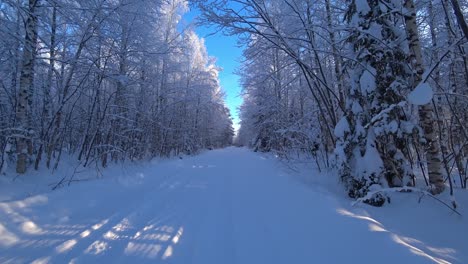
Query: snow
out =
(356, 108)
(367, 81)
(223, 206)
(362, 7)
(375, 30)
(421, 95)
(370, 163)
(341, 128)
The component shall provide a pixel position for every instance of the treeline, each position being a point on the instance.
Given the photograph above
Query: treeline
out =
(104, 81)
(376, 88)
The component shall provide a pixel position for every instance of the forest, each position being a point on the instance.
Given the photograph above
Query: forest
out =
(123, 138)
(375, 89)
(104, 81)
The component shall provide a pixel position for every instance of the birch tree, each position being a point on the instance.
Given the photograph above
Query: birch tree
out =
(23, 111)
(426, 112)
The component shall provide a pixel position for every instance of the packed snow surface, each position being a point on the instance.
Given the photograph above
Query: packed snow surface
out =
(223, 206)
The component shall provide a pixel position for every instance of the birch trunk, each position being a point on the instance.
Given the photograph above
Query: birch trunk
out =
(26, 82)
(460, 18)
(426, 112)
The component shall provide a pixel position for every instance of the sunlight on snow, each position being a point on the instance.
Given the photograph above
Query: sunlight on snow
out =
(443, 251)
(159, 237)
(137, 235)
(99, 225)
(377, 228)
(31, 228)
(142, 249)
(40, 243)
(415, 246)
(163, 236)
(43, 260)
(168, 229)
(34, 200)
(66, 246)
(27, 226)
(97, 247)
(168, 252)
(175, 239)
(110, 235)
(85, 233)
(406, 242)
(7, 239)
(374, 226)
(122, 226)
(350, 214)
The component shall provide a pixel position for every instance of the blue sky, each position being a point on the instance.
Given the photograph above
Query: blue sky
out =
(228, 55)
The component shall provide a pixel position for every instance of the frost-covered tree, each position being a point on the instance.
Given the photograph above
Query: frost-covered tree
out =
(105, 81)
(307, 70)
(294, 30)
(374, 133)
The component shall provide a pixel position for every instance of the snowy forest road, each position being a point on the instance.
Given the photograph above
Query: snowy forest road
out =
(221, 207)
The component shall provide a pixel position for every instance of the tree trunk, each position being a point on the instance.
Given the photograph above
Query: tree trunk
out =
(46, 119)
(336, 57)
(460, 19)
(26, 82)
(426, 112)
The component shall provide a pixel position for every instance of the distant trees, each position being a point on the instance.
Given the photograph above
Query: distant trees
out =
(373, 87)
(104, 81)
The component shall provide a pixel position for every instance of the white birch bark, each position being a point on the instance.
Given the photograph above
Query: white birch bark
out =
(26, 82)
(426, 112)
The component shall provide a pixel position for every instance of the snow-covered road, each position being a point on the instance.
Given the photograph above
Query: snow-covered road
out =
(224, 206)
